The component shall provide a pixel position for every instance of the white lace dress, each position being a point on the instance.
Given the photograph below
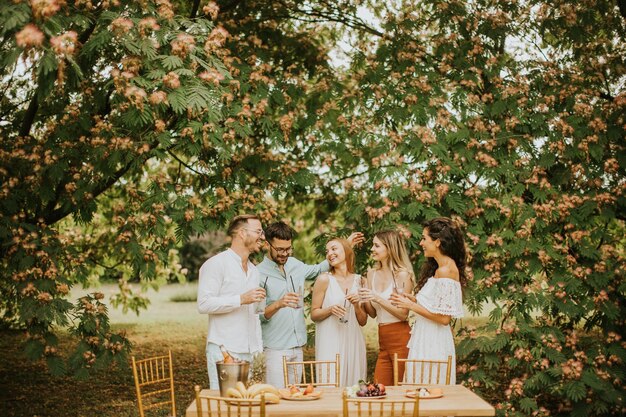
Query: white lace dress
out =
(332, 337)
(430, 340)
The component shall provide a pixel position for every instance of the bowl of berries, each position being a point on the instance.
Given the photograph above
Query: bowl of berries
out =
(366, 390)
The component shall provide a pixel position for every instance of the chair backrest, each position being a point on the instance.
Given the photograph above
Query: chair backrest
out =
(318, 373)
(418, 371)
(215, 406)
(154, 382)
(362, 406)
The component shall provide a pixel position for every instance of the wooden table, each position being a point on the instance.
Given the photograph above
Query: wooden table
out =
(456, 401)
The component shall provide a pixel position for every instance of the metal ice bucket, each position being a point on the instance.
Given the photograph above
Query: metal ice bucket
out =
(229, 374)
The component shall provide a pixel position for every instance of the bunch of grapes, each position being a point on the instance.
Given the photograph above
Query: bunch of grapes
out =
(371, 390)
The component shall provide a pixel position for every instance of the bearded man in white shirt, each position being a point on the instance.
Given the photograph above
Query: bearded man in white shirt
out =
(227, 290)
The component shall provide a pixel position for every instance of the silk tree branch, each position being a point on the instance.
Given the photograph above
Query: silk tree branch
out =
(33, 107)
(332, 15)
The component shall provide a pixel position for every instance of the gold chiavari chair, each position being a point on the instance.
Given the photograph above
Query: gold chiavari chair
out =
(422, 371)
(362, 406)
(215, 406)
(154, 382)
(317, 373)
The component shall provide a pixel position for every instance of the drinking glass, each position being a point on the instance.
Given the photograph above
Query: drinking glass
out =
(362, 284)
(399, 288)
(344, 319)
(300, 297)
(260, 306)
(300, 293)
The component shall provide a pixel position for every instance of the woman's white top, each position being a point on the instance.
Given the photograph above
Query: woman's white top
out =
(442, 296)
(382, 315)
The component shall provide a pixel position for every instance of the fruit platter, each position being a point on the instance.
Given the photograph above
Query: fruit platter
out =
(367, 390)
(425, 393)
(294, 393)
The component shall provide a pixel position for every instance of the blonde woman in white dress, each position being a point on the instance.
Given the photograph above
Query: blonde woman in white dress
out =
(439, 296)
(338, 315)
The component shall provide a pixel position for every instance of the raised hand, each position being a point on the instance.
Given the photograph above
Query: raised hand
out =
(401, 301)
(356, 238)
(253, 295)
(337, 310)
(290, 299)
(410, 297)
(367, 294)
(353, 298)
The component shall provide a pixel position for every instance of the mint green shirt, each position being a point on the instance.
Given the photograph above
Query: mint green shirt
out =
(286, 329)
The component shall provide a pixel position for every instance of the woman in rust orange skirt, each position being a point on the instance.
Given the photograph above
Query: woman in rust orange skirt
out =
(393, 272)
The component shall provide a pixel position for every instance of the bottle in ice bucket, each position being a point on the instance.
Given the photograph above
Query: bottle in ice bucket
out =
(227, 356)
(230, 371)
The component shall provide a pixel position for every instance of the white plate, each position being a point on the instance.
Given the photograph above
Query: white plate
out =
(432, 393)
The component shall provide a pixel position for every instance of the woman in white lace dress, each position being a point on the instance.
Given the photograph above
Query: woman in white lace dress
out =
(338, 315)
(439, 298)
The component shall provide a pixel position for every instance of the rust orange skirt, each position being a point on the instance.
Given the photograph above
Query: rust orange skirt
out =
(392, 338)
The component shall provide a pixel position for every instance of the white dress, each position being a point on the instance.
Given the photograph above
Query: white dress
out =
(430, 340)
(346, 339)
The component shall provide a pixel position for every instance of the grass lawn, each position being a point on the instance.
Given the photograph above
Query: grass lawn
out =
(27, 389)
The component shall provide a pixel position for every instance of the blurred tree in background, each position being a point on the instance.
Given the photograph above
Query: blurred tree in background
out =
(128, 128)
(198, 249)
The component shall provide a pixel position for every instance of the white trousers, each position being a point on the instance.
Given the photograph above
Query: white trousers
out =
(274, 366)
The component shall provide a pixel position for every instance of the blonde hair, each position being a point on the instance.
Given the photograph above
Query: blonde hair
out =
(348, 251)
(398, 256)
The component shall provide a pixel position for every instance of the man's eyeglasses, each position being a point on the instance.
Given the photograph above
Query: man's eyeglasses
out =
(259, 232)
(282, 251)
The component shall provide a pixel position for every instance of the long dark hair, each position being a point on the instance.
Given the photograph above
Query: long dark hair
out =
(452, 244)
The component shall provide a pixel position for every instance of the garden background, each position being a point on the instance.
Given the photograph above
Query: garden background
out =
(132, 132)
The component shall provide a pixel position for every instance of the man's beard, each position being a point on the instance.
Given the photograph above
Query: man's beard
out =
(253, 245)
(282, 260)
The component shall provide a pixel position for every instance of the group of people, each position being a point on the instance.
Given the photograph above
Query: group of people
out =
(231, 288)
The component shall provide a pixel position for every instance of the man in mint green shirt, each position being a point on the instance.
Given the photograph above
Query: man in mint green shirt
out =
(283, 325)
